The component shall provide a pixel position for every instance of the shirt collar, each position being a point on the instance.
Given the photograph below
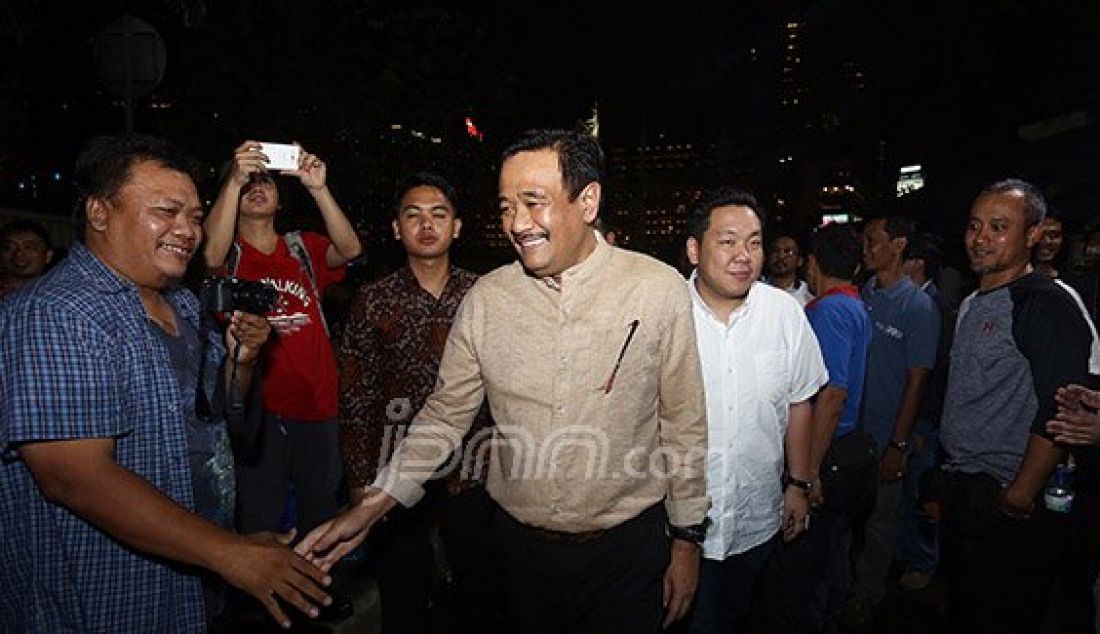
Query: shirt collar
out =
(849, 290)
(795, 287)
(408, 279)
(891, 292)
(583, 271)
(107, 281)
(101, 275)
(697, 300)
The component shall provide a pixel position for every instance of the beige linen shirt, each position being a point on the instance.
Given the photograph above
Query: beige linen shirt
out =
(567, 453)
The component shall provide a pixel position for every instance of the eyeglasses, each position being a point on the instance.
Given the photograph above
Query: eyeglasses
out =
(785, 253)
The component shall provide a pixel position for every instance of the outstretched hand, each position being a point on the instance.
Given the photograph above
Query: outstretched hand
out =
(262, 565)
(329, 542)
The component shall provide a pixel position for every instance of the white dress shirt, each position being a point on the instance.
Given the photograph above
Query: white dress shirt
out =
(754, 368)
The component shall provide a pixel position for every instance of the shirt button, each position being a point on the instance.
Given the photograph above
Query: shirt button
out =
(555, 509)
(560, 409)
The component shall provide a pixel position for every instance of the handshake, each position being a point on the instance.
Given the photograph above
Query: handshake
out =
(329, 542)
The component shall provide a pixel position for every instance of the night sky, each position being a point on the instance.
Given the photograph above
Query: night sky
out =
(952, 81)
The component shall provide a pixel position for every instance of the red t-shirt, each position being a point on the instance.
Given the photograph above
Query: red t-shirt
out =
(299, 369)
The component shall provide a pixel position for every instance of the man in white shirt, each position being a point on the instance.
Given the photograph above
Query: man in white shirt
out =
(761, 364)
(784, 263)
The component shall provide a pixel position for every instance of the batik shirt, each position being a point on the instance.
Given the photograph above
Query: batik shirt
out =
(388, 360)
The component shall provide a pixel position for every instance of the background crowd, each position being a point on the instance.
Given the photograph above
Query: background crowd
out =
(848, 413)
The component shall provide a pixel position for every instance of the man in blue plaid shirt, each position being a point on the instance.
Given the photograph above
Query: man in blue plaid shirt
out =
(99, 490)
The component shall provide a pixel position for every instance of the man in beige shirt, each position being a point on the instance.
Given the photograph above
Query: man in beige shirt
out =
(587, 356)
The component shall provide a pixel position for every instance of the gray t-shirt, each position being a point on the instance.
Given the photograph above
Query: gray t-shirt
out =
(1014, 346)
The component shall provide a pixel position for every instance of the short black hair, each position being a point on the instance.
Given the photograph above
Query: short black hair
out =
(425, 179)
(837, 250)
(25, 225)
(104, 164)
(928, 247)
(898, 226)
(580, 157)
(785, 234)
(699, 217)
(1035, 206)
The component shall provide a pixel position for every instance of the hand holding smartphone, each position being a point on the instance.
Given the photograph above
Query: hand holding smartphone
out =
(280, 156)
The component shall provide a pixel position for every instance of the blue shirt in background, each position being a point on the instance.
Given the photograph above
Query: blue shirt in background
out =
(905, 331)
(843, 331)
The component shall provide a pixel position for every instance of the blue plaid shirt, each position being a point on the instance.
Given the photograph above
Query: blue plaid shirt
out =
(77, 360)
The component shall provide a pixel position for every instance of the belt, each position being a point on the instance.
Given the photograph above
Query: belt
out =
(656, 512)
(566, 537)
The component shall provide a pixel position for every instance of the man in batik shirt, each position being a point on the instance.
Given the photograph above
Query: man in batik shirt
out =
(388, 361)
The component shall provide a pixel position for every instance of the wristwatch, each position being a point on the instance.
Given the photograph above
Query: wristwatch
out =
(695, 534)
(805, 485)
(900, 445)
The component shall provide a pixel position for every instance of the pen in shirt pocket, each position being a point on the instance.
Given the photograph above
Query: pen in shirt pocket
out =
(619, 361)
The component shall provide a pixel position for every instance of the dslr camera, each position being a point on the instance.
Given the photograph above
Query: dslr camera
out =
(227, 294)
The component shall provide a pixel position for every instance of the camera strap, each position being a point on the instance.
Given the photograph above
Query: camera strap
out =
(297, 248)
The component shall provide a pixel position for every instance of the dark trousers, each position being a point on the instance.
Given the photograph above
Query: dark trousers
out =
(302, 452)
(917, 533)
(1000, 571)
(466, 527)
(607, 585)
(806, 583)
(1077, 607)
(724, 598)
(403, 560)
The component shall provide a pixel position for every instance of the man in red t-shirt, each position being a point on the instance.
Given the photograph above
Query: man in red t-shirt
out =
(299, 437)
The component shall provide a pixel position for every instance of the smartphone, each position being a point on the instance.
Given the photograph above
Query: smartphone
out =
(287, 321)
(281, 156)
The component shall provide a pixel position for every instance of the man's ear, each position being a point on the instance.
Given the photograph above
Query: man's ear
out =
(396, 231)
(904, 242)
(590, 201)
(49, 256)
(458, 228)
(1034, 234)
(97, 213)
(811, 271)
(693, 251)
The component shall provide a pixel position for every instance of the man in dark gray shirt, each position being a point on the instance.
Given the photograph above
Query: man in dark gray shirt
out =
(1019, 338)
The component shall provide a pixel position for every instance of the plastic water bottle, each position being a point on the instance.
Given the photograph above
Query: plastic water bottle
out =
(1058, 496)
